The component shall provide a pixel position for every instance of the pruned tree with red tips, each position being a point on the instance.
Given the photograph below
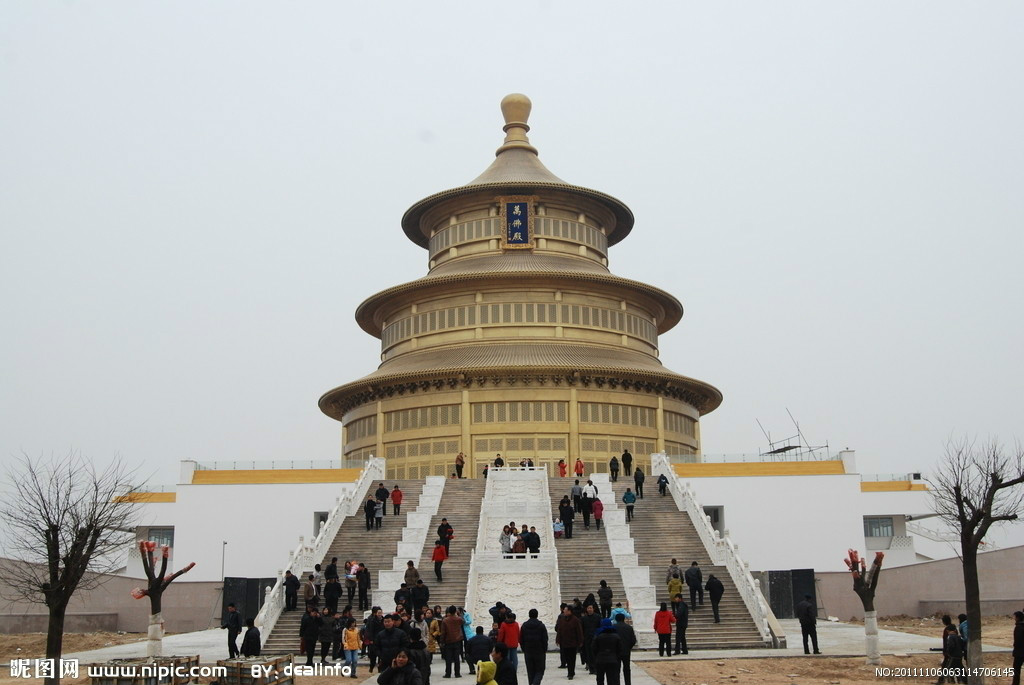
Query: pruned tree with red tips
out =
(158, 582)
(865, 580)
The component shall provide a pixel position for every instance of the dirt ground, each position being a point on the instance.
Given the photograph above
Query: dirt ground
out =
(801, 670)
(33, 645)
(996, 630)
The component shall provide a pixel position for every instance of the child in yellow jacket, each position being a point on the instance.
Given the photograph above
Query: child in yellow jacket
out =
(350, 642)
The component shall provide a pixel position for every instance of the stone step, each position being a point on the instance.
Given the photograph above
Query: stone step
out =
(585, 560)
(373, 548)
(660, 533)
(460, 504)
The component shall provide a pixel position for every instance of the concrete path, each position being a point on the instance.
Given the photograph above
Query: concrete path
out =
(834, 639)
(210, 645)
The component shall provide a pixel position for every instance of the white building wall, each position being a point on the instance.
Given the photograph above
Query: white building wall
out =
(903, 502)
(261, 524)
(787, 522)
(149, 514)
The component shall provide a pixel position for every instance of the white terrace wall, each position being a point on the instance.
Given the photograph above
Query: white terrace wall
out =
(261, 523)
(786, 522)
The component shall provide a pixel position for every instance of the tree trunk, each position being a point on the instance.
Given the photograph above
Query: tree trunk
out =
(55, 641)
(155, 636)
(871, 638)
(972, 598)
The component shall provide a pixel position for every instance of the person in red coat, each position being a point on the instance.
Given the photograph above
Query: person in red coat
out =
(597, 506)
(396, 499)
(508, 633)
(578, 469)
(663, 621)
(439, 556)
(562, 468)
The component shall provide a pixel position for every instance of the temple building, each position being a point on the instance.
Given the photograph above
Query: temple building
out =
(519, 341)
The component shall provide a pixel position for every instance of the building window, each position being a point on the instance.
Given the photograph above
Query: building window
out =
(878, 526)
(501, 412)
(679, 423)
(162, 536)
(422, 417)
(595, 412)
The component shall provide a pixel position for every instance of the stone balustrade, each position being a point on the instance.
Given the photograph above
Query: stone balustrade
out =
(414, 536)
(523, 582)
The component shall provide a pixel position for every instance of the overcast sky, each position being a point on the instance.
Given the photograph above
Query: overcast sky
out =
(195, 198)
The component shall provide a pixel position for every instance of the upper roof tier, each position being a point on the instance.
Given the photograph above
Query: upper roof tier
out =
(516, 170)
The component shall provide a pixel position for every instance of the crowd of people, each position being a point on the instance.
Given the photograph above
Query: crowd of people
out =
(402, 646)
(518, 541)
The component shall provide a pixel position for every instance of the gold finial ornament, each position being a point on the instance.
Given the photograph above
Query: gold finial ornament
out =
(516, 110)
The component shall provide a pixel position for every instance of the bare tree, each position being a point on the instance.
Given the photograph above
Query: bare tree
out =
(865, 581)
(157, 583)
(67, 524)
(975, 487)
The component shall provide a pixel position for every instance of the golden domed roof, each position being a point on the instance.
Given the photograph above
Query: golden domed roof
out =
(516, 169)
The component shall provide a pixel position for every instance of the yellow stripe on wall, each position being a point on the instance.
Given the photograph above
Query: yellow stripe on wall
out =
(263, 476)
(775, 468)
(148, 497)
(891, 486)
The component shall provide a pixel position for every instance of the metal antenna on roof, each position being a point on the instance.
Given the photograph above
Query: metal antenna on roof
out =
(766, 435)
(799, 433)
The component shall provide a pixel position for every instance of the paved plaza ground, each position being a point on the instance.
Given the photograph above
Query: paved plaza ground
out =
(841, 643)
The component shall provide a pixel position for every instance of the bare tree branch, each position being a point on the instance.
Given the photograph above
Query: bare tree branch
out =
(975, 487)
(68, 524)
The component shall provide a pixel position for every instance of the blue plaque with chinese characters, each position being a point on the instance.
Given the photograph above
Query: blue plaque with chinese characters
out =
(517, 224)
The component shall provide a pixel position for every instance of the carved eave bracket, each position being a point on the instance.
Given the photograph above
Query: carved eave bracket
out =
(337, 404)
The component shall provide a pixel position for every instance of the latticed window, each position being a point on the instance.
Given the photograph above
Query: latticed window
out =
(361, 428)
(680, 423)
(600, 445)
(422, 417)
(677, 448)
(878, 526)
(594, 412)
(162, 536)
(501, 412)
(363, 453)
(516, 313)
